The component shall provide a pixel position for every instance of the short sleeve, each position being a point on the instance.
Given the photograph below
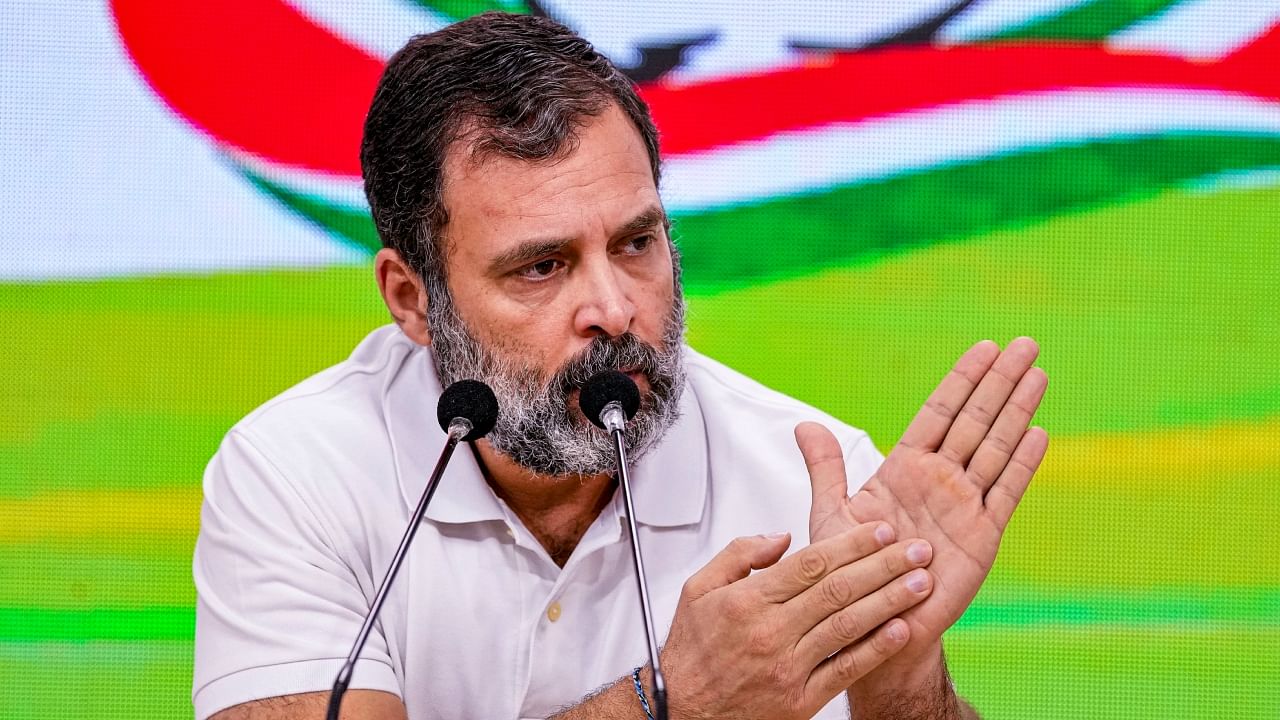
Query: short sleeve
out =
(861, 460)
(277, 606)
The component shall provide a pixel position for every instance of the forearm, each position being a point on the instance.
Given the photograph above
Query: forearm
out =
(928, 695)
(613, 702)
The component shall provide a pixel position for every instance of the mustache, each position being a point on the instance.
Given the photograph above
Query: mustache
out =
(623, 352)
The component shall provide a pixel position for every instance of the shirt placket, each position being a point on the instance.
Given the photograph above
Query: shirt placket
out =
(544, 606)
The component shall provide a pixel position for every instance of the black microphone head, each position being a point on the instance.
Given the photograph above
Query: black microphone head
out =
(604, 388)
(471, 400)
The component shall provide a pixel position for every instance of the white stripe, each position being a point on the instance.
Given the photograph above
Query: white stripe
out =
(99, 178)
(1267, 177)
(379, 27)
(803, 162)
(988, 18)
(1201, 29)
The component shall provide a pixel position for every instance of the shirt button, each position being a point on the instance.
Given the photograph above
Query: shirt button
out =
(553, 612)
(510, 531)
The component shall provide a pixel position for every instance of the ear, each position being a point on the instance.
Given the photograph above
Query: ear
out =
(404, 293)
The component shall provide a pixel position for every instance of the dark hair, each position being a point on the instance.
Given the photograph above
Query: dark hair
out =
(514, 85)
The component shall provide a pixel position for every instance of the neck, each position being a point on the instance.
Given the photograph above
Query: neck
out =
(557, 510)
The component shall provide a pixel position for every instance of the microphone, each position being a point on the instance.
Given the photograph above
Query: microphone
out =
(609, 399)
(467, 411)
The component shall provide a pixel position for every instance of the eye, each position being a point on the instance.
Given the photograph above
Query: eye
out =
(637, 245)
(540, 270)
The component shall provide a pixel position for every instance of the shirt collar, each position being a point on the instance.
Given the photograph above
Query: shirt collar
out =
(669, 483)
(409, 402)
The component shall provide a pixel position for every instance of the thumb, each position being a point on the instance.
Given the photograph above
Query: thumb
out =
(824, 459)
(736, 561)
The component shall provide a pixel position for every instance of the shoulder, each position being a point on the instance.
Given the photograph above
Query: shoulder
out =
(321, 445)
(346, 393)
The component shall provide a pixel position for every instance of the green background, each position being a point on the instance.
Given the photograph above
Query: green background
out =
(1139, 579)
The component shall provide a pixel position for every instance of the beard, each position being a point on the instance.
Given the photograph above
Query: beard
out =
(538, 427)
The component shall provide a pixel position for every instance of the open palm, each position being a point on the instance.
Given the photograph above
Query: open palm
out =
(954, 478)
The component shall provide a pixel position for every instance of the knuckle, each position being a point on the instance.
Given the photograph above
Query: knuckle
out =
(847, 627)
(1027, 468)
(794, 701)
(836, 591)
(980, 414)
(736, 608)
(981, 473)
(812, 566)
(1023, 407)
(780, 673)
(689, 589)
(1009, 375)
(893, 561)
(1000, 443)
(760, 640)
(940, 407)
(899, 597)
(848, 665)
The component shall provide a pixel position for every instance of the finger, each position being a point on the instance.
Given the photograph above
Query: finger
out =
(1003, 497)
(807, 567)
(853, 583)
(993, 454)
(851, 664)
(736, 561)
(851, 624)
(983, 406)
(931, 424)
(824, 458)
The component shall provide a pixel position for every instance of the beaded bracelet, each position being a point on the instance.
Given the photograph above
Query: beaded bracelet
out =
(644, 701)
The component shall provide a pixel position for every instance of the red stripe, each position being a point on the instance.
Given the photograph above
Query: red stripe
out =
(858, 86)
(256, 75)
(259, 76)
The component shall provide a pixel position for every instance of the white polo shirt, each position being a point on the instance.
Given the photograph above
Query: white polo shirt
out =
(308, 496)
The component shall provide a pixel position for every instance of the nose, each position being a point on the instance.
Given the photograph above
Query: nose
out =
(603, 307)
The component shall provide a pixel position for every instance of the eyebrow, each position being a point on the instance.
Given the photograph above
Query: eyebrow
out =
(651, 216)
(527, 252)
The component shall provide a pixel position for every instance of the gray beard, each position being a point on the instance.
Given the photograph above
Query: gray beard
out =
(537, 426)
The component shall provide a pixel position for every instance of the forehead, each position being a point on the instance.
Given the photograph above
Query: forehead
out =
(602, 181)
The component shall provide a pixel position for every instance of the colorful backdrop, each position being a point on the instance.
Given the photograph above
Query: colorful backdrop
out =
(860, 191)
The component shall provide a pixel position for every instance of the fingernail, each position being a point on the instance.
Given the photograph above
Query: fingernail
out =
(884, 534)
(897, 632)
(775, 535)
(917, 580)
(918, 552)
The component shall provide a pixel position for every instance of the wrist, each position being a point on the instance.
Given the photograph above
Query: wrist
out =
(912, 687)
(641, 678)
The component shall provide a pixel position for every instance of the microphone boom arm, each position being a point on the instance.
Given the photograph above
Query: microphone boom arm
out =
(458, 429)
(613, 418)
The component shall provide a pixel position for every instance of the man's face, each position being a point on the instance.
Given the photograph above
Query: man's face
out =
(557, 270)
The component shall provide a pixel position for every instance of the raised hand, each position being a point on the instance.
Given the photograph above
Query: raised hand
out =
(955, 478)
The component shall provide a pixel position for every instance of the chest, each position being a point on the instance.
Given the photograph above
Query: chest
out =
(485, 625)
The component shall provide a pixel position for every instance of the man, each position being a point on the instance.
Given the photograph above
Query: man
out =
(512, 174)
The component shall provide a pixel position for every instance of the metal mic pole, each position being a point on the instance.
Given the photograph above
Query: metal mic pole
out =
(614, 419)
(458, 429)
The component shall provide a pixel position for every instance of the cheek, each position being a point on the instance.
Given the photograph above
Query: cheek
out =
(654, 298)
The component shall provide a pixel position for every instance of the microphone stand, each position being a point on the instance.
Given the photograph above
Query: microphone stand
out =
(614, 419)
(458, 429)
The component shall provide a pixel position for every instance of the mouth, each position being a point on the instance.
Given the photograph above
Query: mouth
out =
(638, 376)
